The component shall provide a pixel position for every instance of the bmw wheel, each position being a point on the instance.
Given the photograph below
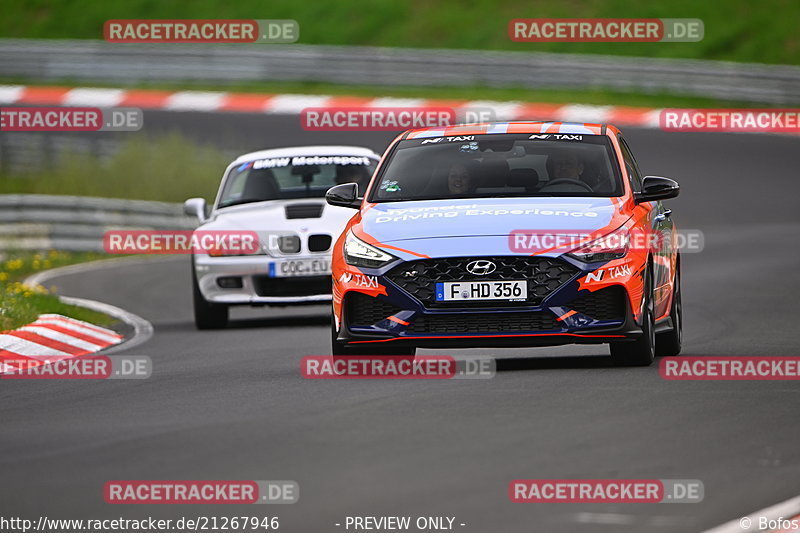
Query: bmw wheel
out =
(207, 315)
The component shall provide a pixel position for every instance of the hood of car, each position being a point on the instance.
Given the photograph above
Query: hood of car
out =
(439, 228)
(398, 221)
(307, 214)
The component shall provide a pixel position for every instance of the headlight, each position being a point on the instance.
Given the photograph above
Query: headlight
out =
(359, 253)
(227, 253)
(289, 244)
(612, 246)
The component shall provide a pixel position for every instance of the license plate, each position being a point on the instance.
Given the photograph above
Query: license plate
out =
(513, 291)
(300, 267)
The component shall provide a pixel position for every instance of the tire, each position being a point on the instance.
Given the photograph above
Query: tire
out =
(207, 315)
(342, 348)
(668, 344)
(640, 352)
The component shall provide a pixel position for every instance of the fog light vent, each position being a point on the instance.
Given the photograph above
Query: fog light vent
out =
(230, 282)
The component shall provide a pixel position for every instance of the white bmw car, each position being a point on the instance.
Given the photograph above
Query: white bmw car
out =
(280, 195)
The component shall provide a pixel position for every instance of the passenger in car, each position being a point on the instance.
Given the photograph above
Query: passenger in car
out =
(260, 186)
(460, 179)
(564, 166)
(570, 166)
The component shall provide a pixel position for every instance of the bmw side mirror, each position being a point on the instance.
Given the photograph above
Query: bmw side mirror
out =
(195, 207)
(657, 188)
(344, 195)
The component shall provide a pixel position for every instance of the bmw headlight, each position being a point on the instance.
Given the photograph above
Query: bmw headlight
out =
(217, 252)
(222, 249)
(289, 244)
(358, 253)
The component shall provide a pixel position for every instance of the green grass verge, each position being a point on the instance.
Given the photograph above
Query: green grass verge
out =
(736, 30)
(169, 169)
(20, 305)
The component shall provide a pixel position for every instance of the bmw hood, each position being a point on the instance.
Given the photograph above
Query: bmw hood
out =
(301, 215)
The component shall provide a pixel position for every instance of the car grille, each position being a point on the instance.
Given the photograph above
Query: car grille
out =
(544, 275)
(363, 310)
(603, 304)
(300, 286)
(304, 211)
(484, 323)
(319, 242)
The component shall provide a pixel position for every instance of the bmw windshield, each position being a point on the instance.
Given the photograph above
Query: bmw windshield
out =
(499, 165)
(278, 178)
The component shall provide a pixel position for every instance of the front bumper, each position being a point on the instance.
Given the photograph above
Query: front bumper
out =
(256, 283)
(624, 330)
(564, 315)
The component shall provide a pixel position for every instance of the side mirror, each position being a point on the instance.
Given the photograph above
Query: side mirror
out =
(657, 188)
(344, 195)
(195, 207)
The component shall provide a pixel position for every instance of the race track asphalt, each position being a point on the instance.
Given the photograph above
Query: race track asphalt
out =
(232, 404)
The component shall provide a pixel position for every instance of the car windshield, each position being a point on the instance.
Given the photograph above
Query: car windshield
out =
(499, 165)
(276, 178)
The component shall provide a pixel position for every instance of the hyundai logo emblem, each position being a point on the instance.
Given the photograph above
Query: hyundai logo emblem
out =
(481, 267)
